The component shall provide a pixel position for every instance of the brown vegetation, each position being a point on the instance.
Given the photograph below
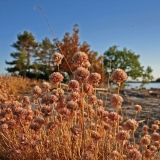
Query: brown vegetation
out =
(74, 124)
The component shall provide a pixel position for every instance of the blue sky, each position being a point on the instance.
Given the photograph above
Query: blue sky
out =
(103, 23)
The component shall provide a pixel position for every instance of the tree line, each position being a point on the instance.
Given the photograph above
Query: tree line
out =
(34, 59)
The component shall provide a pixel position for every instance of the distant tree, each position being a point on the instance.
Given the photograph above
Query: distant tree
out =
(146, 76)
(19, 64)
(26, 41)
(34, 60)
(43, 58)
(158, 80)
(128, 61)
(70, 44)
(25, 46)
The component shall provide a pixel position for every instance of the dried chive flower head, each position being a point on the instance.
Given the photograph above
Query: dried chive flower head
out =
(107, 127)
(39, 120)
(122, 135)
(91, 147)
(86, 64)
(53, 98)
(116, 100)
(113, 116)
(57, 58)
(145, 141)
(81, 74)
(137, 108)
(130, 124)
(56, 78)
(45, 86)
(46, 110)
(145, 128)
(37, 90)
(155, 137)
(88, 89)
(147, 154)
(51, 125)
(119, 75)
(153, 148)
(94, 79)
(95, 135)
(73, 85)
(76, 130)
(35, 126)
(58, 92)
(26, 100)
(72, 105)
(155, 127)
(99, 102)
(156, 144)
(93, 100)
(134, 154)
(74, 96)
(88, 155)
(79, 59)
(115, 155)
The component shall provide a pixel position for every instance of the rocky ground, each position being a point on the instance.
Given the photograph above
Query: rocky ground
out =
(148, 99)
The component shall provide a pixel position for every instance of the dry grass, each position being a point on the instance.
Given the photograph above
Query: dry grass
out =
(70, 125)
(12, 87)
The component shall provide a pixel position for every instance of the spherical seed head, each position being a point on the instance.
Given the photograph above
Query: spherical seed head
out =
(73, 85)
(37, 90)
(155, 127)
(137, 108)
(116, 100)
(145, 128)
(88, 89)
(94, 79)
(4, 127)
(119, 75)
(99, 102)
(145, 141)
(39, 120)
(76, 130)
(53, 98)
(35, 126)
(107, 127)
(57, 58)
(79, 59)
(147, 154)
(91, 147)
(115, 155)
(113, 116)
(74, 96)
(51, 125)
(156, 144)
(26, 99)
(45, 86)
(92, 100)
(134, 154)
(72, 105)
(81, 74)
(155, 136)
(130, 124)
(88, 155)
(46, 110)
(86, 64)
(122, 135)
(95, 135)
(153, 148)
(56, 78)
(157, 122)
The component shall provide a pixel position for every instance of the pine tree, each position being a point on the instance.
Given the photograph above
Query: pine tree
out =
(26, 48)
